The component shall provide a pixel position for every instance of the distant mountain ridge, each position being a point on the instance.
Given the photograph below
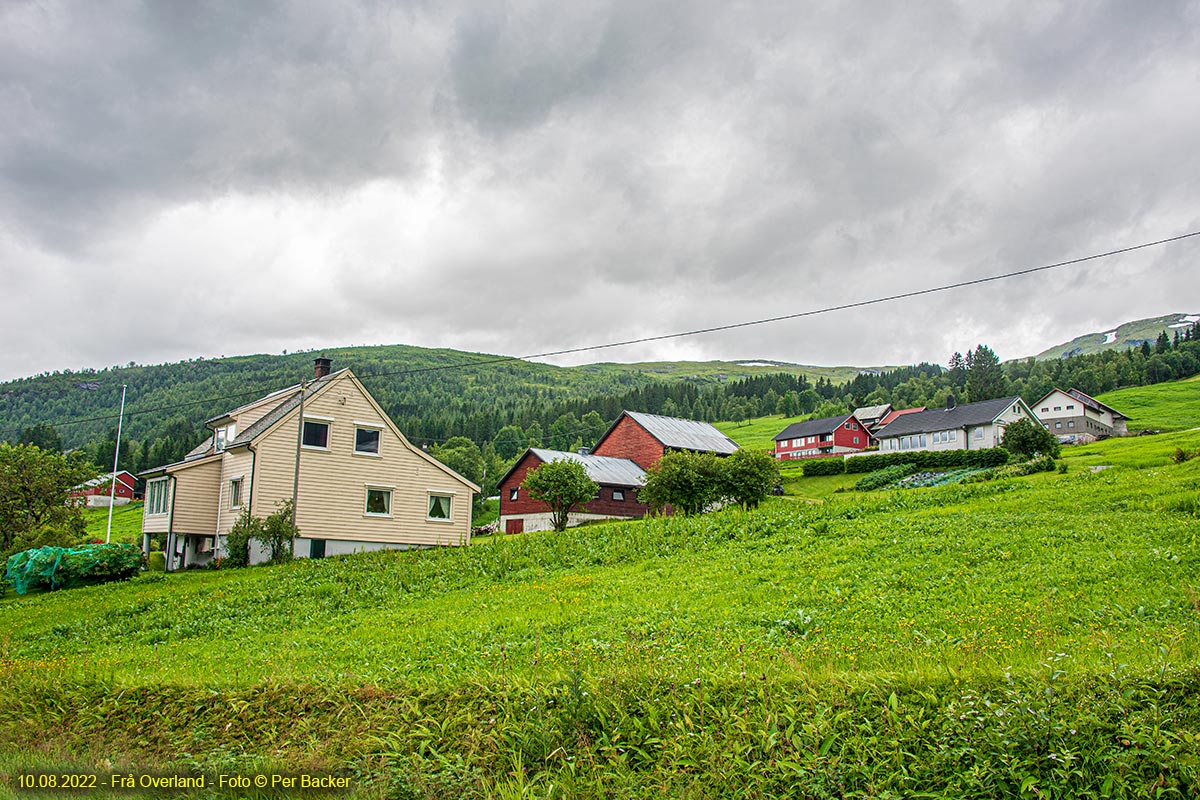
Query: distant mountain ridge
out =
(1122, 337)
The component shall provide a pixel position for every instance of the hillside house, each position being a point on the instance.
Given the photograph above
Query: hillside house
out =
(619, 480)
(359, 484)
(895, 414)
(974, 426)
(645, 438)
(872, 416)
(96, 491)
(815, 438)
(1077, 418)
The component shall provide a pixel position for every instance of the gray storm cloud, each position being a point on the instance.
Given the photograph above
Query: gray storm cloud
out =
(199, 179)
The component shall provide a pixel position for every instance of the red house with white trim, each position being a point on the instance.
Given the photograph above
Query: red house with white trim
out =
(822, 437)
(95, 492)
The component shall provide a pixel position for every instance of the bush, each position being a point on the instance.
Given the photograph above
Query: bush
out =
(832, 465)
(882, 477)
(62, 568)
(748, 476)
(156, 561)
(1028, 438)
(238, 540)
(1180, 456)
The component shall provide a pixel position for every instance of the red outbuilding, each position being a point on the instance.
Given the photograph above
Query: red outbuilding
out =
(619, 480)
(96, 491)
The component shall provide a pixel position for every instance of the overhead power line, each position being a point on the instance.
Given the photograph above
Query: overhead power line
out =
(696, 331)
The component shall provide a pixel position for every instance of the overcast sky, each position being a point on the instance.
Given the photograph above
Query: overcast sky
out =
(183, 179)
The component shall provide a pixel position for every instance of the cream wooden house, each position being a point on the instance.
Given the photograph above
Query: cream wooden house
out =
(358, 483)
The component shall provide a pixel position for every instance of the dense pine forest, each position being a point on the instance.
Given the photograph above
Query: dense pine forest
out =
(478, 411)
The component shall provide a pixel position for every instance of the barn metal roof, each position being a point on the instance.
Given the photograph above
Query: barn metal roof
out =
(872, 412)
(602, 469)
(685, 434)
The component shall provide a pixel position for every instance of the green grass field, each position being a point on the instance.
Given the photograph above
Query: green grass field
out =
(1164, 406)
(943, 641)
(126, 523)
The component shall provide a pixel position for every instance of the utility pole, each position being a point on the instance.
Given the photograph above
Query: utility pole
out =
(112, 489)
(299, 443)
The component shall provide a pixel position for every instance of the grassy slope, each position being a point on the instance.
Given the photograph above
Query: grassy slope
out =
(1164, 406)
(759, 432)
(932, 594)
(126, 523)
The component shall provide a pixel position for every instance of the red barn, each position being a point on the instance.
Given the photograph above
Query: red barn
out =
(645, 438)
(619, 480)
(95, 492)
(822, 437)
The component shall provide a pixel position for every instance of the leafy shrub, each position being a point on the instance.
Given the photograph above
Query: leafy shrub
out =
(237, 542)
(1028, 438)
(1180, 456)
(882, 477)
(748, 476)
(62, 568)
(825, 466)
(1062, 468)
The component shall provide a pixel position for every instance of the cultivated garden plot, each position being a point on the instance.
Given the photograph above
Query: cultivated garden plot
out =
(982, 639)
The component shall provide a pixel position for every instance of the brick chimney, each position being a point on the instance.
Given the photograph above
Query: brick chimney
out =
(321, 367)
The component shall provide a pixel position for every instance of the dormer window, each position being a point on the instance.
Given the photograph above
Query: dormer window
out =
(223, 436)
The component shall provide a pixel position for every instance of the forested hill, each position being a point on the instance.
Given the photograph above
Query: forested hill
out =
(431, 394)
(501, 404)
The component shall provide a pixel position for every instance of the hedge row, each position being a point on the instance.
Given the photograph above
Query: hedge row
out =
(929, 459)
(920, 459)
(824, 466)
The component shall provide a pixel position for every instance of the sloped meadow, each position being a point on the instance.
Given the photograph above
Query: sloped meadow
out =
(1022, 636)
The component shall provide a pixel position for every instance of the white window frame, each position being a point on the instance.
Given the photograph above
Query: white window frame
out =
(158, 494)
(369, 426)
(390, 491)
(432, 493)
(327, 422)
(513, 494)
(618, 495)
(241, 483)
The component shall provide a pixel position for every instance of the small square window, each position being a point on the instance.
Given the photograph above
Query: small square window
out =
(439, 507)
(379, 502)
(235, 494)
(618, 494)
(1070, 408)
(316, 434)
(1058, 424)
(366, 440)
(1071, 424)
(979, 433)
(512, 493)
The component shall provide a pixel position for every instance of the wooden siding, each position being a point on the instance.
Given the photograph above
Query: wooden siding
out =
(628, 439)
(234, 464)
(158, 523)
(196, 495)
(333, 482)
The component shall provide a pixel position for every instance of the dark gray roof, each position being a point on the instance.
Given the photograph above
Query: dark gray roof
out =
(812, 427)
(685, 434)
(278, 412)
(601, 469)
(944, 419)
(1096, 405)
